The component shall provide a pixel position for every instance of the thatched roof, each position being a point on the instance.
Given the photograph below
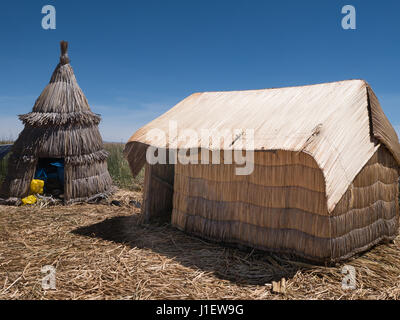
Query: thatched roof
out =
(62, 104)
(340, 124)
(61, 125)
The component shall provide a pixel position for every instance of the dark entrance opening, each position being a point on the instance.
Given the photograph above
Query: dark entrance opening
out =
(51, 171)
(158, 192)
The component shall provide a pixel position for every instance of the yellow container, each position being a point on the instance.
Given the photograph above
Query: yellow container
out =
(37, 187)
(29, 200)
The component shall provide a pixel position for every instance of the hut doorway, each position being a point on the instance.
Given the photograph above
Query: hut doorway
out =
(51, 171)
(158, 193)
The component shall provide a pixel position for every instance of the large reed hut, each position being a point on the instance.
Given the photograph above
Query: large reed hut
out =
(325, 178)
(61, 128)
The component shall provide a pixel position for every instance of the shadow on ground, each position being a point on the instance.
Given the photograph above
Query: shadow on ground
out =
(242, 266)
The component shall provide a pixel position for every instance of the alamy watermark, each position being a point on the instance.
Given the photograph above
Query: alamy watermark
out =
(49, 280)
(182, 146)
(349, 20)
(49, 20)
(349, 279)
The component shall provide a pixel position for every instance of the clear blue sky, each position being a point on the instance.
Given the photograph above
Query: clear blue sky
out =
(136, 59)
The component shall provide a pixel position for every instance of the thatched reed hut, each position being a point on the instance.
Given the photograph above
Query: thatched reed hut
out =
(61, 127)
(325, 178)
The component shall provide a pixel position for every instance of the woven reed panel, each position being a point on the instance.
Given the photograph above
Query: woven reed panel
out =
(282, 206)
(369, 210)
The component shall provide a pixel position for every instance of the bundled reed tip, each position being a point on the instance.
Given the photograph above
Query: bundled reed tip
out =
(64, 59)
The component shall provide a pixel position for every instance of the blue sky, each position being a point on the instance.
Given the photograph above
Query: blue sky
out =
(136, 59)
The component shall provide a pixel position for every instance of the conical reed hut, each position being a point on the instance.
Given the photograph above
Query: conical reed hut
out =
(61, 128)
(324, 183)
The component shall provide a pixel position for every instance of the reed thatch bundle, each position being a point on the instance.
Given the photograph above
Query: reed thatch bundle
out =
(61, 125)
(325, 179)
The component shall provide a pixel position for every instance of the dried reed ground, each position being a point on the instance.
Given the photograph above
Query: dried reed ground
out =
(105, 252)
